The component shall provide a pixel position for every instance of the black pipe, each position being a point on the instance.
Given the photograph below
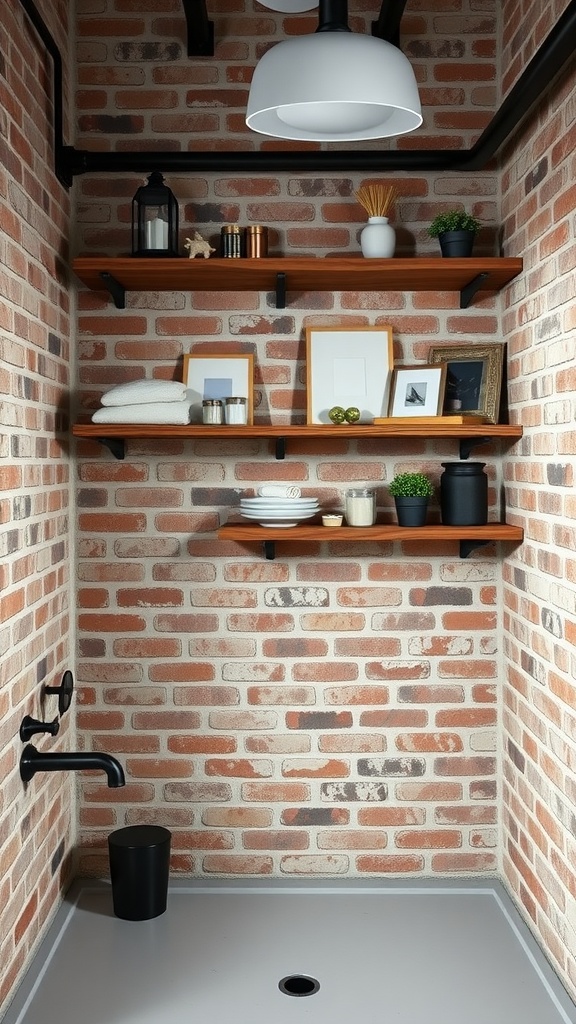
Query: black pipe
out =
(32, 761)
(530, 88)
(532, 85)
(387, 26)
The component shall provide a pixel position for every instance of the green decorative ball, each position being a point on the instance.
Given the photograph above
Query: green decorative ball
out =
(352, 414)
(337, 414)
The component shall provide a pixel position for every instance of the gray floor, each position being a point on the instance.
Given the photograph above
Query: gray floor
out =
(391, 954)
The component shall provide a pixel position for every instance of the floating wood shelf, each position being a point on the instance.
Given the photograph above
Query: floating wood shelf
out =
(118, 275)
(470, 537)
(113, 435)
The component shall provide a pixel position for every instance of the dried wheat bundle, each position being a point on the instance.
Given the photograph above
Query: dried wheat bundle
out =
(377, 199)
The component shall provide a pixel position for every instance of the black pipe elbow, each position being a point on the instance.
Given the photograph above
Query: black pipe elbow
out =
(33, 761)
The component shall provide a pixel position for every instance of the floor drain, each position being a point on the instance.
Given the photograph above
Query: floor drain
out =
(298, 985)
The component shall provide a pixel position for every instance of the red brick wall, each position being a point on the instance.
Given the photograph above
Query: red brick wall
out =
(36, 829)
(332, 712)
(539, 720)
(264, 710)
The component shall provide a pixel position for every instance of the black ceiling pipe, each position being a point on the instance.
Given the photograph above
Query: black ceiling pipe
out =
(556, 50)
(199, 30)
(387, 26)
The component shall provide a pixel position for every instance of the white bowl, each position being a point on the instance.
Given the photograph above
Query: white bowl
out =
(332, 520)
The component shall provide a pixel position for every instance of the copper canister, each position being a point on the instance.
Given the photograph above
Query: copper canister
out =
(256, 240)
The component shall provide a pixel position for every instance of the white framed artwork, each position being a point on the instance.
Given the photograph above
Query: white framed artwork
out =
(219, 375)
(417, 391)
(348, 366)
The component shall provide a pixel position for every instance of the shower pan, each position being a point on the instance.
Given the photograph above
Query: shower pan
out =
(273, 952)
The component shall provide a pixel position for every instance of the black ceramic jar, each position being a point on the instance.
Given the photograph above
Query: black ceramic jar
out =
(464, 494)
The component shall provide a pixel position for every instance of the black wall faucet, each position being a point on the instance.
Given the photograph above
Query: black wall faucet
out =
(32, 761)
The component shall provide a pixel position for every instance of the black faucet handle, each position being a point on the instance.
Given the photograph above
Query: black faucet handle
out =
(30, 726)
(64, 691)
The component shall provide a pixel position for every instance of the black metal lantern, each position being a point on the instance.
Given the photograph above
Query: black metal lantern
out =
(154, 219)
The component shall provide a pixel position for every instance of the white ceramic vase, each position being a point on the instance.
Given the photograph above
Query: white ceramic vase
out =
(378, 238)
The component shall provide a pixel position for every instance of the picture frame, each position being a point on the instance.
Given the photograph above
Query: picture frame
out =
(418, 390)
(219, 375)
(349, 367)
(473, 378)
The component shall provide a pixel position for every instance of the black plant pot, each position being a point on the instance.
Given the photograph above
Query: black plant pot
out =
(411, 511)
(456, 243)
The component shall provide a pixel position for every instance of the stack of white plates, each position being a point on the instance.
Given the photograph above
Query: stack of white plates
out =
(272, 511)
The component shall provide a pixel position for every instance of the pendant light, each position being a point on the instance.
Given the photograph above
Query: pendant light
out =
(333, 86)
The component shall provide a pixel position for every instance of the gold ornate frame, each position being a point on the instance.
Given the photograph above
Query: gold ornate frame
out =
(484, 382)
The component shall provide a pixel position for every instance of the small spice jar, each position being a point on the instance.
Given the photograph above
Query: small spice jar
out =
(256, 241)
(360, 507)
(235, 410)
(231, 235)
(212, 410)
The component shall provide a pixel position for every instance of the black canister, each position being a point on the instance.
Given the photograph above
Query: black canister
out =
(464, 494)
(231, 235)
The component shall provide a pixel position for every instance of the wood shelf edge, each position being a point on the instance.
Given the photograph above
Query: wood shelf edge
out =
(198, 430)
(385, 532)
(301, 274)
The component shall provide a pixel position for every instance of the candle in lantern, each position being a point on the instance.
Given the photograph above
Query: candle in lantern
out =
(156, 233)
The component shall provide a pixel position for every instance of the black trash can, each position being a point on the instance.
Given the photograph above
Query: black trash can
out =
(139, 870)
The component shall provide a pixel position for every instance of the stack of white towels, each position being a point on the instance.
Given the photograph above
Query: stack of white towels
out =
(145, 401)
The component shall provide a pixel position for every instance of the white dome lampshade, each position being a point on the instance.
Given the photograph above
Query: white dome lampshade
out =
(333, 86)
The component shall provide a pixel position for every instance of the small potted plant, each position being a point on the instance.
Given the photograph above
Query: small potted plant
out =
(411, 493)
(455, 231)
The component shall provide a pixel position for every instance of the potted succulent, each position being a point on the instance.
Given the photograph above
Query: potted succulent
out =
(411, 493)
(455, 231)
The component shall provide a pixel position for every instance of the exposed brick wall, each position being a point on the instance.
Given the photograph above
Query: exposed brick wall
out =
(333, 712)
(538, 212)
(310, 687)
(36, 826)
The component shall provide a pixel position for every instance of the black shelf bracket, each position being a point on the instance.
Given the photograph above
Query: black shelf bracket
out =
(200, 30)
(467, 444)
(280, 290)
(116, 290)
(280, 448)
(469, 290)
(269, 549)
(468, 546)
(114, 444)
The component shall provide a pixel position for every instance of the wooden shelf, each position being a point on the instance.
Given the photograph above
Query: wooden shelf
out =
(117, 275)
(470, 537)
(113, 435)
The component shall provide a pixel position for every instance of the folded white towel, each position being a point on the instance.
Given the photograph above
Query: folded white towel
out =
(147, 412)
(137, 392)
(278, 491)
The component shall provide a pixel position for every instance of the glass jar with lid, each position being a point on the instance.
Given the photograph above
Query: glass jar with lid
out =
(360, 506)
(212, 411)
(235, 410)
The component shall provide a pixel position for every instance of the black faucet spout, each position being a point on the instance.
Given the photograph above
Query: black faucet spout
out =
(32, 761)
